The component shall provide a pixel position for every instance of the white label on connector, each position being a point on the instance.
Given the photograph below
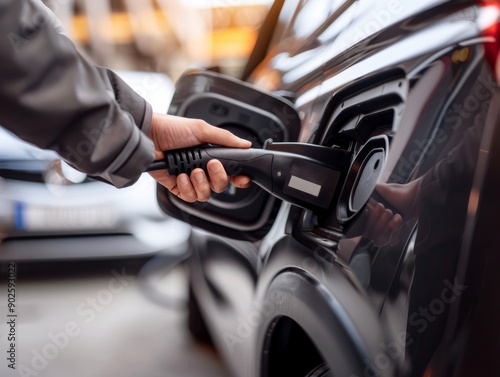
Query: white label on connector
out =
(305, 186)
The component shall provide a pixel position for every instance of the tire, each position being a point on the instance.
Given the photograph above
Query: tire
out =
(196, 323)
(321, 370)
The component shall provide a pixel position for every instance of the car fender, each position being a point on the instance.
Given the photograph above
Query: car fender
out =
(330, 308)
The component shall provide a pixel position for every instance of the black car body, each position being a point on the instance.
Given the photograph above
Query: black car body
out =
(291, 292)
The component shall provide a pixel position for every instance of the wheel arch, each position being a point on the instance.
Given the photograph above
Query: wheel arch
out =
(305, 311)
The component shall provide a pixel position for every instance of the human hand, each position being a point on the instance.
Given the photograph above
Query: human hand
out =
(379, 223)
(171, 132)
(404, 197)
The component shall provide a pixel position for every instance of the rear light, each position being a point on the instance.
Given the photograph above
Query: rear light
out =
(489, 22)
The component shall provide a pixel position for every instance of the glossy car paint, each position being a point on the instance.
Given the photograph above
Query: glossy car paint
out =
(414, 71)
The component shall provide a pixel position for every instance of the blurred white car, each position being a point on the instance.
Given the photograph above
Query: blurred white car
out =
(44, 216)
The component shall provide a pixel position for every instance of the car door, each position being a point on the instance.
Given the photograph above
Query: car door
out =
(218, 256)
(428, 86)
(406, 98)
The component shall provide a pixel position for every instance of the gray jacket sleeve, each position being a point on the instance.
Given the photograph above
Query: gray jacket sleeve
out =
(52, 97)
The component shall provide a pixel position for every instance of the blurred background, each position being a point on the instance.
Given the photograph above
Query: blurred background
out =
(101, 288)
(164, 36)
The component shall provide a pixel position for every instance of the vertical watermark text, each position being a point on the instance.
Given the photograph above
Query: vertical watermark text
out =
(11, 316)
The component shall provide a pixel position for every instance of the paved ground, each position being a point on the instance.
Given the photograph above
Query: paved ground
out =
(97, 320)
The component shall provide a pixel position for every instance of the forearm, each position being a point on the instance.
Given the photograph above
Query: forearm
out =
(51, 97)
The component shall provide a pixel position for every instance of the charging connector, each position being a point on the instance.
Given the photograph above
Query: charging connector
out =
(306, 175)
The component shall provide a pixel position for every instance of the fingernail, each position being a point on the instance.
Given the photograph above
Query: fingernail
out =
(183, 179)
(199, 176)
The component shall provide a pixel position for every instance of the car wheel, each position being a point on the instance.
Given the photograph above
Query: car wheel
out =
(321, 370)
(196, 323)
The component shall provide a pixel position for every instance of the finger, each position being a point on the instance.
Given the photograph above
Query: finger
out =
(390, 232)
(396, 223)
(383, 222)
(219, 136)
(218, 176)
(374, 214)
(186, 189)
(382, 232)
(201, 185)
(159, 155)
(240, 181)
(379, 220)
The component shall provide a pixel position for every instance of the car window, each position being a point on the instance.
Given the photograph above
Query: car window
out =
(310, 16)
(298, 43)
(284, 21)
(337, 25)
(314, 23)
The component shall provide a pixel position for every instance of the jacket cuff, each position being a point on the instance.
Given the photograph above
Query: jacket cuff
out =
(147, 119)
(134, 159)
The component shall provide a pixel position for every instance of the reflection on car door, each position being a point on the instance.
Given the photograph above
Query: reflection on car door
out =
(429, 174)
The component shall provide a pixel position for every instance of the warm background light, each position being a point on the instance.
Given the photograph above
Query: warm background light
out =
(164, 35)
